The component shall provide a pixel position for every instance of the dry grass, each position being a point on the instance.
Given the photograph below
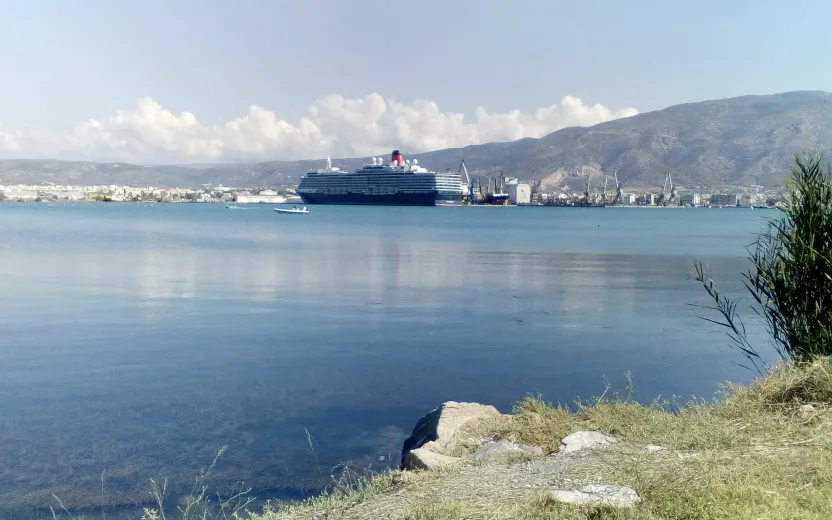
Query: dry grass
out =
(759, 454)
(762, 413)
(787, 484)
(342, 499)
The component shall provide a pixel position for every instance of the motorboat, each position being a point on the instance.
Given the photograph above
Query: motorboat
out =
(293, 210)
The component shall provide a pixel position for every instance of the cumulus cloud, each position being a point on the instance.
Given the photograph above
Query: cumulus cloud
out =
(8, 141)
(333, 125)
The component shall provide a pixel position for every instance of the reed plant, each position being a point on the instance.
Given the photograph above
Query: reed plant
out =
(790, 278)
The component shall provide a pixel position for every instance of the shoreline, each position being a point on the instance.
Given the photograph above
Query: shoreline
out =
(253, 204)
(720, 459)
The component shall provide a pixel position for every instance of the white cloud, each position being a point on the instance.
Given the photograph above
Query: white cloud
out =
(8, 141)
(334, 125)
(571, 111)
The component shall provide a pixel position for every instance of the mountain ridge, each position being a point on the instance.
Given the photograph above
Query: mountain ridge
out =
(734, 141)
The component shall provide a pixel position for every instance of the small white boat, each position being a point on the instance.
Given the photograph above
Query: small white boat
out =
(293, 211)
(232, 206)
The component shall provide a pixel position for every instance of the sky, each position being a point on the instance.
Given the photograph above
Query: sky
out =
(182, 81)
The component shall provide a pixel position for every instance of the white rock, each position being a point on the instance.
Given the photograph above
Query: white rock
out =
(504, 449)
(425, 459)
(449, 430)
(806, 411)
(652, 448)
(582, 440)
(597, 495)
(688, 455)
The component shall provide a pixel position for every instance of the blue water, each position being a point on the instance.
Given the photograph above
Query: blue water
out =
(136, 340)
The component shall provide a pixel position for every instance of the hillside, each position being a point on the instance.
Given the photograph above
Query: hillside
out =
(736, 141)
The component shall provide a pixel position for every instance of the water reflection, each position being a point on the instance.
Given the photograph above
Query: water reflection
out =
(147, 340)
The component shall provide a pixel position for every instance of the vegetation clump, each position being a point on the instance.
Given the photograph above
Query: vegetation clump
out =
(790, 280)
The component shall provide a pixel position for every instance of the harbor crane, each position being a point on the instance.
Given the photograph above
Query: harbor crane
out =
(586, 190)
(662, 195)
(469, 182)
(604, 193)
(668, 197)
(535, 194)
(617, 199)
(673, 199)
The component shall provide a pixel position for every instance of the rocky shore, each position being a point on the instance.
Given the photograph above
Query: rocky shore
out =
(458, 433)
(763, 451)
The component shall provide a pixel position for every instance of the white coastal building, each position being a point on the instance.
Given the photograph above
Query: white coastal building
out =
(20, 194)
(518, 193)
(260, 198)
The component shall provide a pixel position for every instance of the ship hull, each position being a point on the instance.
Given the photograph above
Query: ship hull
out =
(399, 199)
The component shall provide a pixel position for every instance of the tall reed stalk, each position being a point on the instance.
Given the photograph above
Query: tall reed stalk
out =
(790, 279)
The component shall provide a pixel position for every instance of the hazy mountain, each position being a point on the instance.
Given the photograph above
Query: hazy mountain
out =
(737, 141)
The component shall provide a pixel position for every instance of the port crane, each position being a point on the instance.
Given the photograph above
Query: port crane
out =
(535, 194)
(469, 182)
(664, 199)
(617, 199)
(586, 190)
(672, 189)
(604, 193)
(662, 195)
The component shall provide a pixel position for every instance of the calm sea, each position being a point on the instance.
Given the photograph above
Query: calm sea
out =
(137, 340)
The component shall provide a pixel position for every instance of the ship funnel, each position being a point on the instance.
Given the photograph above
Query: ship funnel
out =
(397, 157)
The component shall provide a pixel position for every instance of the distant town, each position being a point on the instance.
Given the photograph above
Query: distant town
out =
(510, 191)
(31, 193)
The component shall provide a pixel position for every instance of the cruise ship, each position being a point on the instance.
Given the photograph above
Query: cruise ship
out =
(400, 183)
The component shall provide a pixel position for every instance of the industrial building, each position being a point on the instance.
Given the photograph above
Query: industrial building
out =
(518, 193)
(724, 199)
(690, 199)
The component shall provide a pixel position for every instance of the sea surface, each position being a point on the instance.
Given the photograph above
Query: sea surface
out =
(136, 340)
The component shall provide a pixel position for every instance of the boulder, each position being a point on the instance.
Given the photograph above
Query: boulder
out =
(450, 430)
(583, 440)
(501, 450)
(653, 448)
(424, 459)
(597, 495)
